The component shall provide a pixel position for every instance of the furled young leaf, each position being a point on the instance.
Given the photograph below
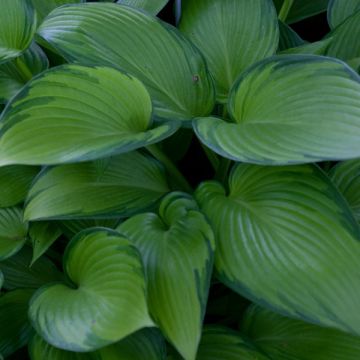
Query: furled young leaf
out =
(232, 34)
(13, 231)
(340, 10)
(106, 300)
(283, 338)
(151, 6)
(177, 249)
(282, 116)
(44, 7)
(345, 43)
(172, 69)
(15, 181)
(346, 177)
(288, 37)
(225, 344)
(43, 235)
(288, 240)
(17, 27)
(90, 112)
(14, 74)
(15, 330)
(19, 273)
(117, 186)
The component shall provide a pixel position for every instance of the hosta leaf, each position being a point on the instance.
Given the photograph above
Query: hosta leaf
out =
(15, 181)
(1, 279)
(225, 344)
(172, 69)
(121, 185)
(43, 235)
(279, 232)
(13, 231)
(15, 330)
(44, 7)
(345, 43)
(72, 227)
(151, 6)
(241, 32)
(346, 177)
(340, 10)
(177, 249)
(282, 116)
(16, 73)
(287, 339)
(315, 48)
(19, 273)
(17, 27)
(288, 37)
(90, 112)
(106, 300)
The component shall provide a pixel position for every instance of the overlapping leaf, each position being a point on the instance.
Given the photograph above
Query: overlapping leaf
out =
(177, 249)
(44, 7)
(286, 339)
(282, 116)
(17, 27)
(75, 113)
(117, 186)
(288, 37)
(340, 10)
(172, 69)
(151, 6)
(232, 34)
(105, 301)
(280, 231)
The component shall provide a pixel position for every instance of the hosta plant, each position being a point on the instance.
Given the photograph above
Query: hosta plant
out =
(182, 185)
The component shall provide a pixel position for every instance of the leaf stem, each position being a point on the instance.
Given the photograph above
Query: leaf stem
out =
(23, 68)
(285, 9)
(172, 170)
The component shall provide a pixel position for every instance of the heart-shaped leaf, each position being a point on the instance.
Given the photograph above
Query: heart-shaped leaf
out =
(15, 181)
(151, 6)
(121, 185)
(282, 116)
(90, 112)
(16, 73)
(225, 344)
(19, 273)
(279, 232)
(340, 10)
(172, 69)
(44, 7)
(106, 301)
(346, 177)
(283, 338)
(15, 329)
(232, 34)
(17, 27)
(13, 231)
(177, 249)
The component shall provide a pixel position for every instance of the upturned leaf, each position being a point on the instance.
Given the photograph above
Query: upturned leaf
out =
(177, 248)
(279, 232)
(105, 299)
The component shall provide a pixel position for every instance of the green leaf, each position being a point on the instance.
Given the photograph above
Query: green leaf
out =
(225, 344)
(346, 177)
(287, 339)
(15, 181)
(43, 235)
(13, 231)
(16, 73)
(345, 43)
(288, 37)
(1, 279)
(145, 344)
(151, 6)
(117, 186)
(279, 232)
(232, 34)
(44, 7)
(17, 27)
(340, 10)
(282, 116)
(172, 69)
(315, 48)
(39, 349)
(15, 330)
(105, 301)
(19, 273)
(85, 120)
(179, 239)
